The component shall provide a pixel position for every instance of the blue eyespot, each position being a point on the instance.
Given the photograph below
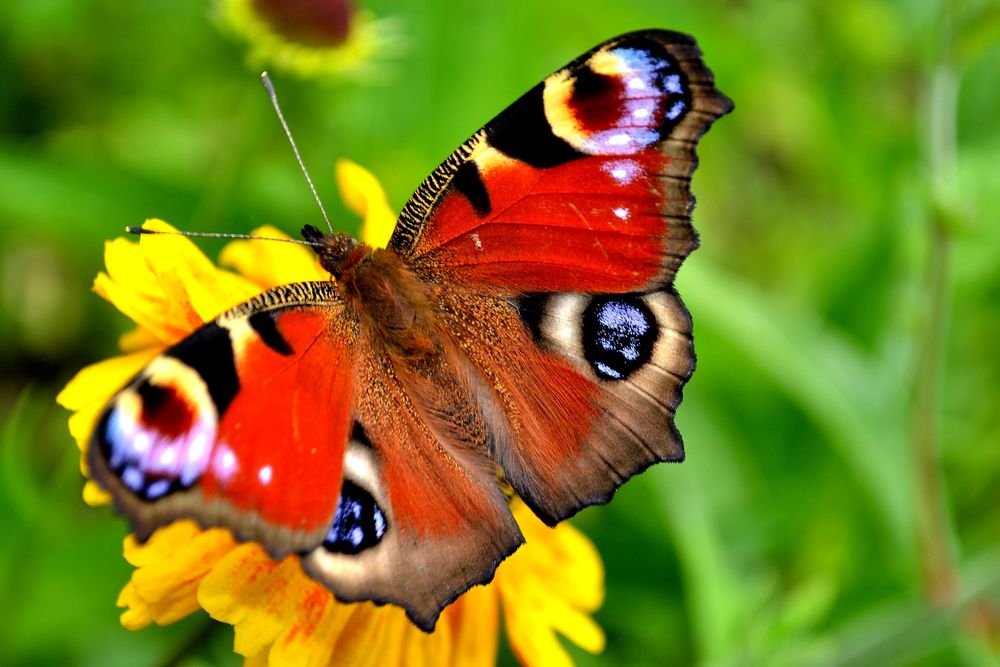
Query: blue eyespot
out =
(358, 524)
(618, 335)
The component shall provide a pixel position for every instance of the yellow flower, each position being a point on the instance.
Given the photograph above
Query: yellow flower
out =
(279, 615)
(308, 38)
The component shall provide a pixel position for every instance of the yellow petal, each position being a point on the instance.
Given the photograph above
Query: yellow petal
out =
(268, 603)
(306, 640)
(138, 339)
(548, 586)
(169, 567)
(149, 309)
(368, 631)
(474, 619)
(364, 195)
(98, 382)
(534, 646)
(138, 613)
(94, 495)
(426, 650)
(564, 558)
(272, 263)
(166, 285)
(179, 603)
(189, 279)
(81, 426)
(259, 660)
(134, 289)
(240, 575)
(577, 627)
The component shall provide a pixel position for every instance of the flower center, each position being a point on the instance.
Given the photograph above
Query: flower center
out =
(313, 22)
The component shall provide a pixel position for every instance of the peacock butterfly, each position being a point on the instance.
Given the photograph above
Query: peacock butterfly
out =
(520, 328)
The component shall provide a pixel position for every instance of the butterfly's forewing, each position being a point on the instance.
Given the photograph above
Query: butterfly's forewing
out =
(562, 223)
(243, 424)
(581, 185)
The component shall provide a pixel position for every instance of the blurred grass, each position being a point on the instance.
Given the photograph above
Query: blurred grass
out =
(791, 535)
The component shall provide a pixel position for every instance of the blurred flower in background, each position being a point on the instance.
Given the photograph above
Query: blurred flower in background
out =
(309, 38)
(167, 286)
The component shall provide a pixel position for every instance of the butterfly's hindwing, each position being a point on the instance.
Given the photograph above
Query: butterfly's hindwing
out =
(579, 390)
(638, 349)
(437, 523)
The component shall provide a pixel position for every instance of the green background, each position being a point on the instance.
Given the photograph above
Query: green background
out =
(838, 504)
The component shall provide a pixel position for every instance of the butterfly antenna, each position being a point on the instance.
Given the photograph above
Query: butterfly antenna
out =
(269, 87)
(217, 235)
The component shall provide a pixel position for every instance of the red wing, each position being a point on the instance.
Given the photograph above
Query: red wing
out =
(243, 424)
(580, 185)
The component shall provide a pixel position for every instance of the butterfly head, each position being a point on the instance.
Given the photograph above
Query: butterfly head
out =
(338, 252)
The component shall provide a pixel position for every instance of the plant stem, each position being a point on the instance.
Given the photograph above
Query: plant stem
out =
(934, 526)
(940, 579)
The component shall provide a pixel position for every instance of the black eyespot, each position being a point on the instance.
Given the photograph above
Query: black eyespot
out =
(618, 335)
(359, 523)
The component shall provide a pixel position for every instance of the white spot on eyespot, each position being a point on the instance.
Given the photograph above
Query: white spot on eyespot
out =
(264, 475)
(478, 243)
(198, 446)
(196, 457)
(607, 370)
(641, 114)
(168, 456)
(141, 443)
(619, 139)
(636, 83)
(622, 213)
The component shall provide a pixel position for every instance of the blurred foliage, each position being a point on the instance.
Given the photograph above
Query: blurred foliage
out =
(846, 302)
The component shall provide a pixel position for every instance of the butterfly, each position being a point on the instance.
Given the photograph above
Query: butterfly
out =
(520, 333)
